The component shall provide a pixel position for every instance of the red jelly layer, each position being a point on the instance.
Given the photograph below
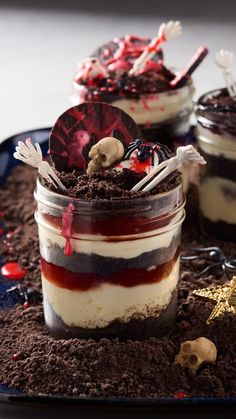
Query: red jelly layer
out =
(111, 226)
(64, 278)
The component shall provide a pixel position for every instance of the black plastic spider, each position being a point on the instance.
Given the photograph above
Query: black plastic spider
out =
(21, 294)
(146, 151)
(216, 256)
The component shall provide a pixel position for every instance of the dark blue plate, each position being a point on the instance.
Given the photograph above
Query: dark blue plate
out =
(14, 404)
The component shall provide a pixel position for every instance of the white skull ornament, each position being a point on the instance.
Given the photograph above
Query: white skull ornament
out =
(194, 353)
(104, 154)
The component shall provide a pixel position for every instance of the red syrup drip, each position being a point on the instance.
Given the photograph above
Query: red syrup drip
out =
(136, 165)
(12, 270)
(145, 103)
(66, 230)
(129, 49)
(126, 48)
(77, 281)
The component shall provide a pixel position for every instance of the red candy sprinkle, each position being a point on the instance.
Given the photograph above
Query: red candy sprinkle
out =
(15, 357)
(1, 231)
(26, 305)
(12, 270)
(181, 395)
(9, 234)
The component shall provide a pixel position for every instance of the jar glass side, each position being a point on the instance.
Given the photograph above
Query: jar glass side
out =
(98, 285)
(217, 189)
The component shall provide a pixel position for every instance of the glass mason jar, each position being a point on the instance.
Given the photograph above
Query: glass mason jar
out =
(162, 117)
(109, 268)
(216, 128)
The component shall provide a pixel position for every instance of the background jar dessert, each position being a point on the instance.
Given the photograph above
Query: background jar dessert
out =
(109, 268)
(216, 127)
(162, 116)
(161, 109)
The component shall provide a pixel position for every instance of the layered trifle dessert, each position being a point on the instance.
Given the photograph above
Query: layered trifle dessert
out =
(216, 126)
(129, 72)
(109, 255)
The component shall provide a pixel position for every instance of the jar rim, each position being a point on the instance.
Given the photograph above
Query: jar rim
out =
(201, 106)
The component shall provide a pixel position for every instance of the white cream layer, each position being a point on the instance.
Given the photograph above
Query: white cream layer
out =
(150, 108)
(215, 204)
(216, 144)
(125, 249)
(156, 108)
(100, 306)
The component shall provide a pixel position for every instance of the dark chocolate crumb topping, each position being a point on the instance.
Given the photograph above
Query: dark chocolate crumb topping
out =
(110, 184)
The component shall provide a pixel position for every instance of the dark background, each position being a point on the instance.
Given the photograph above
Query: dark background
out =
(207, 10)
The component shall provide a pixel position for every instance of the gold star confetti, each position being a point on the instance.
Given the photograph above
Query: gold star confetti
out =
(224, 295)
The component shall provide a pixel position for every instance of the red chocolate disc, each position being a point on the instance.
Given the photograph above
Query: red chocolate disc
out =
(82, 126)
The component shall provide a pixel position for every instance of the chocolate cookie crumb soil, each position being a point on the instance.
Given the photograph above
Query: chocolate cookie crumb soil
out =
(34, 362)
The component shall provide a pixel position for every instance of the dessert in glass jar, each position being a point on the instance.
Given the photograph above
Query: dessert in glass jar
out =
(216, 126)
(129, 72)
(110, 266)
(109, 212)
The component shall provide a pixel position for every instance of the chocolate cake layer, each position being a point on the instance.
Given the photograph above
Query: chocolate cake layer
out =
(219, 166)
(221, 229)
(218, 123)
(158, 323)
(103, 265)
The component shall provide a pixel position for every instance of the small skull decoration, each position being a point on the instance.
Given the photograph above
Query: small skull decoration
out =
(193, 353)
(104, 154)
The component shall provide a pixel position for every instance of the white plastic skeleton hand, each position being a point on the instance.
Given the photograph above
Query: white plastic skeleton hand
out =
(166, 167)
(167, 31)
(188, 152)
(170, 30)
(31, 155)
(224, 59)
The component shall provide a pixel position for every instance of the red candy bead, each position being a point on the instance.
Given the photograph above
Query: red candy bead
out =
(12, 270)
(15, 357)
(181, 395)
(26, 305)
(9, 234)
